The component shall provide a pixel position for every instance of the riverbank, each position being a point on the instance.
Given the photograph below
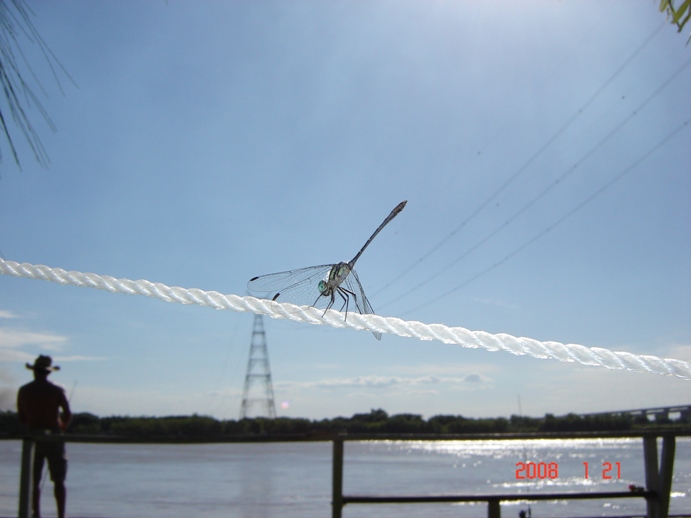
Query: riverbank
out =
(198, 428)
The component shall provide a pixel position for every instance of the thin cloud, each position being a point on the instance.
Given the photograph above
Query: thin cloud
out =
(80, 358)
(7, 314)
(679, 351)
(497, 303)
(14, 342)
(382, 382)
(13, 338)
(12, 355)
(225, 392)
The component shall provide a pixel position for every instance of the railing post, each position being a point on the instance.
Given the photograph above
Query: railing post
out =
(665, 476)
(493, 508)
(651, 475)
(337, 480)
(25, 478)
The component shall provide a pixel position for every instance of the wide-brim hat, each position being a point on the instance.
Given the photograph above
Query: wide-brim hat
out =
(43, 363)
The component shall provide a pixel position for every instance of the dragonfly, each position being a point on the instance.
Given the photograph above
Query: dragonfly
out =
(319, 286)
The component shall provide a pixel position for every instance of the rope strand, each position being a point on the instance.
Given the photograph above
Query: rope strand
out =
(594, 356)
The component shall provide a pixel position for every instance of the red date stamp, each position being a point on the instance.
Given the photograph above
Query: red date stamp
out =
(606, 469)
(531, 470)
(542, 470)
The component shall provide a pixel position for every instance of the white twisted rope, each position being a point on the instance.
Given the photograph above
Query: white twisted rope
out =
(451, 335)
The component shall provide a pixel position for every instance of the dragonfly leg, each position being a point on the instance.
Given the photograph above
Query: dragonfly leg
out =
(328, 306)
(345, 295)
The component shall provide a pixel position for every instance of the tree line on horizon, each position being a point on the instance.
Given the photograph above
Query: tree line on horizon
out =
(377, 421)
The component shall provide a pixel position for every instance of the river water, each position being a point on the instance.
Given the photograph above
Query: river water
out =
(294, 479)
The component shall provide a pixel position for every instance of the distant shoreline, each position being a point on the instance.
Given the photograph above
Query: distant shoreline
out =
(87, 427)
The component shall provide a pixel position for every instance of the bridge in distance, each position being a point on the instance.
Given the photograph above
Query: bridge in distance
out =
(652, 414)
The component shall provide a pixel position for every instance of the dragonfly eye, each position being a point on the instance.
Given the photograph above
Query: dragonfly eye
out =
(323, 288)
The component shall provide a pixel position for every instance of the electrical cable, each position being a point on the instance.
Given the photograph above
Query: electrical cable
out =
(559, 221)
(526, 164)
(545, 191)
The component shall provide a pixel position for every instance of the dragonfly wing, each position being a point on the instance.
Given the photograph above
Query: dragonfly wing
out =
(281, 280)
(299, 286)
(353, 284)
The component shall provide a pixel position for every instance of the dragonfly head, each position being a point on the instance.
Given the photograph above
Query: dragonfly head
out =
(323, 288)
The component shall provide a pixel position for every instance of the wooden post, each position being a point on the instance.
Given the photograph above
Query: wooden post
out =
(337, 479)
(651, 475)
(493, 508)
(25, 478)
(665, 474)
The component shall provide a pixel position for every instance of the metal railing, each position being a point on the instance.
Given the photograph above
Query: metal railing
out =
(658, 478)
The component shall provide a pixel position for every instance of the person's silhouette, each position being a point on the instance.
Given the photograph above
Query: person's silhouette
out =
(38, 406)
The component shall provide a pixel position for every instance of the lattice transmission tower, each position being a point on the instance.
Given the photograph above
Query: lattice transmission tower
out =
(258, 373)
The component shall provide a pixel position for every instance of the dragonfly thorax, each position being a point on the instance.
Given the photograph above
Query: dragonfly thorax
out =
(337, 275)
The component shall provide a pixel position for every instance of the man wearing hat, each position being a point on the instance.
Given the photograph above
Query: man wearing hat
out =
(38, 407)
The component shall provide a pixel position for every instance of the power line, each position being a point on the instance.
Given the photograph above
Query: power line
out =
(530, 160)
(558, 222)
(549, 188)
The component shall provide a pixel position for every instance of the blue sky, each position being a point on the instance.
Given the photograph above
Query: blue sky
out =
(208, 142)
